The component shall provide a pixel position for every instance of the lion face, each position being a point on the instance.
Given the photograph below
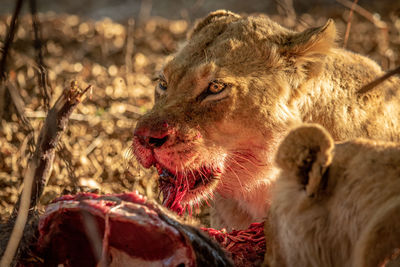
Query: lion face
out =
(222, 105)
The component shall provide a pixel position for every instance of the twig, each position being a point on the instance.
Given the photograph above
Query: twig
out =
(20, 107)
(365, 13)
(2, 98)
(40, 165)
(145, 10)
(56, 122)
(348, 26)
(94, 144)
(42, 70)
(20, 222)
(65, 155)
(285, 7)
(9, 39)
(378, 81)
(129, 52)
(18, 103)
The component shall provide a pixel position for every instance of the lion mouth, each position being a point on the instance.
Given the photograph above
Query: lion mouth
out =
(181, 189)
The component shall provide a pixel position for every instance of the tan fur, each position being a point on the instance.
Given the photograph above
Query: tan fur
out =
(334, 205)
(275, 78)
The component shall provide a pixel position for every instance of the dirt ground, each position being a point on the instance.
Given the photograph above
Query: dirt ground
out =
(120, 60)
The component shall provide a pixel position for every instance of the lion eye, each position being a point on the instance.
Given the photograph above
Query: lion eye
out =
(216, 87)
(162, 85)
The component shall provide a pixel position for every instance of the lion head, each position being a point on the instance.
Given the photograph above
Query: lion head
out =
(222, 105)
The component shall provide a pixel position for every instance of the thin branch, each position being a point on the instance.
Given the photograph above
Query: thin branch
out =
(20, 107)
(9, 38)
(20, 222)
(378, 81)
(365, 13)
(2, 98)
(145, 10)
(40, 165)
(285, 7)
(348, 26)
(56, 121)
(65, 156)
(129, 52)
(42, 69)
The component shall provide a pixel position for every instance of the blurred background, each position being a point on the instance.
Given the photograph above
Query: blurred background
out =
(120, 10)
(118, 47)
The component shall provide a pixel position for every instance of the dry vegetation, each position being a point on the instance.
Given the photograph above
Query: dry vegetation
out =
(119, 60)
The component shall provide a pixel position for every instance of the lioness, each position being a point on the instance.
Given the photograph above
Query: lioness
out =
(227, 98)
(334, 205)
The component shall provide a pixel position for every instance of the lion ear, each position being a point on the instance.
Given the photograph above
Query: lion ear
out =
(309, 47)
(306, 153)
(221, 14)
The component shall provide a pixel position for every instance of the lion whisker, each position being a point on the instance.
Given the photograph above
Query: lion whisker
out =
(240, 183)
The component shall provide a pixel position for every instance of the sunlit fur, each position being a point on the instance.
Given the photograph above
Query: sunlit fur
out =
(275, 79)
(334, 205)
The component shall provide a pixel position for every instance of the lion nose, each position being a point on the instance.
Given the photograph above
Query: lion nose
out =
(151, 140)
(156, 142)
